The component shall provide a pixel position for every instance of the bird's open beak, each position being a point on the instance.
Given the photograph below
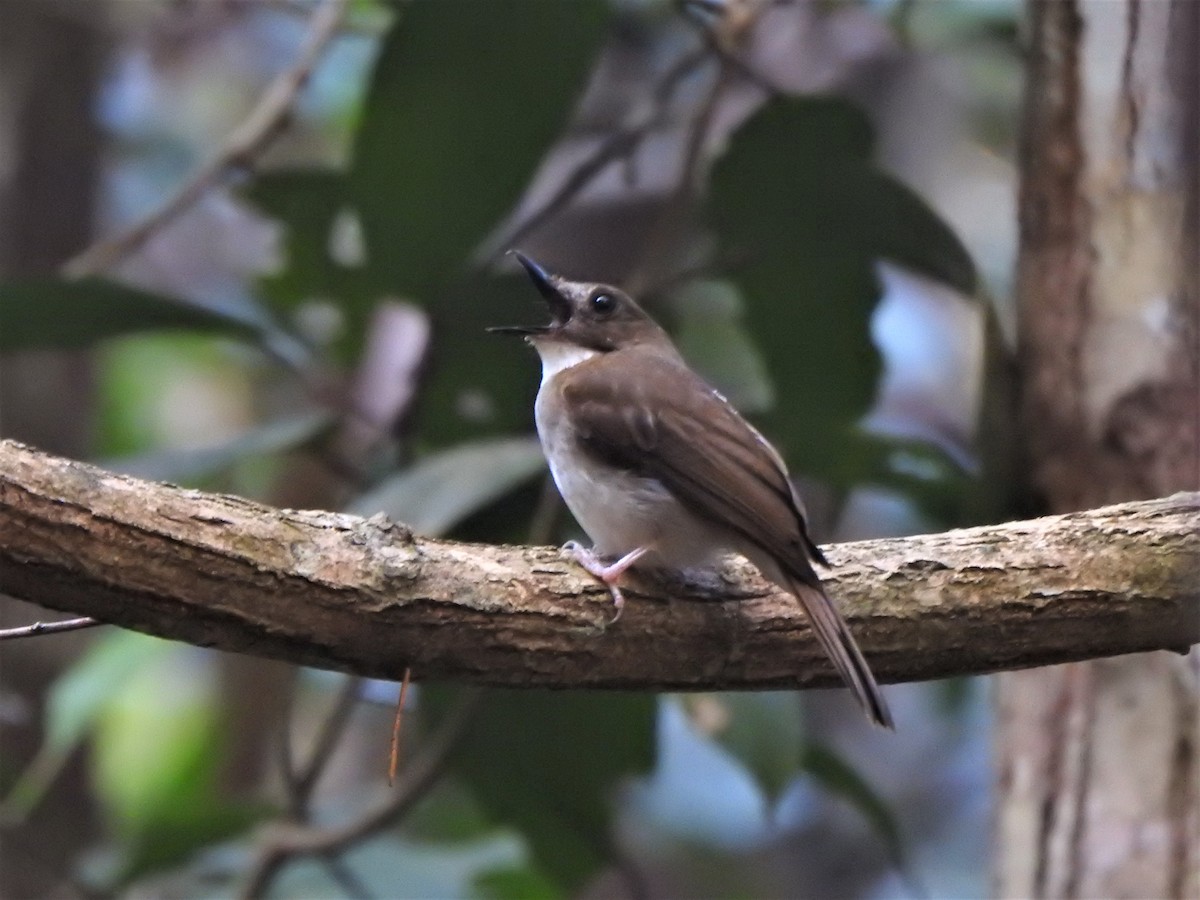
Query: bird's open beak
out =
(560, 306)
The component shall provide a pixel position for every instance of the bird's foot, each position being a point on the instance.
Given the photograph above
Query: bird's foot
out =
(608, 574)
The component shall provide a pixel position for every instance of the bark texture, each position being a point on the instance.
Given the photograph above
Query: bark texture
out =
(1099, 763)
(367, 596)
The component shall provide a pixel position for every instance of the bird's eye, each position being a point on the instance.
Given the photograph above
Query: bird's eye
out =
(603, 304)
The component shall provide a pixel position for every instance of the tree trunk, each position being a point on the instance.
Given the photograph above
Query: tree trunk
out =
(51, 57)
(1099, 762)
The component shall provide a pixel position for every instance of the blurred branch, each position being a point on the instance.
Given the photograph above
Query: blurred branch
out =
(672, 223)
(300, 783)
(616, 147)
(382, 396)
(421, 774)
(242, 147)
(367, 596)
(303, 9)
(724, 28)
(37, 628)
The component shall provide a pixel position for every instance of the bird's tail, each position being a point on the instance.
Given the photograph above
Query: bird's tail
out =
(838, 643)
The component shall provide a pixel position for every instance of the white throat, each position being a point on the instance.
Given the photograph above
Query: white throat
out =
(558, 356)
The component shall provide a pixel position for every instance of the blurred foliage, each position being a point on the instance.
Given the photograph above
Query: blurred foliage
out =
(54, 313)
(549, 764)
(764, 730)
(799, 199)
(74, 703)
(423, 869)
(492, 393)
(833, 772)
(439, 491)
(710, 332)
(196, 465)
(157, 756)
(459, 113)
(150, 389)
(456, 119)
(150, 708)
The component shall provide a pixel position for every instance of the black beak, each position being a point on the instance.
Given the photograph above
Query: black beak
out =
(524, 330)
(539, 276)
(560, 306)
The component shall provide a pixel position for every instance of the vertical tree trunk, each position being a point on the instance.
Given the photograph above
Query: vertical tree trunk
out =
(51, 56)
(1099, 763)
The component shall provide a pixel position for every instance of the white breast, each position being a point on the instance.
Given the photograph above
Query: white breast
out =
(619, 511)
(558, 356)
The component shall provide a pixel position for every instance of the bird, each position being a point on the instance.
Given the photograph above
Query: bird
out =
(660, 470)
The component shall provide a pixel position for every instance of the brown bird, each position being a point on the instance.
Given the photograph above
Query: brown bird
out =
(660, 470)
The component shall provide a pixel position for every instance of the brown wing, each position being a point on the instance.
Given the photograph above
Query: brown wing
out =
(671, 426)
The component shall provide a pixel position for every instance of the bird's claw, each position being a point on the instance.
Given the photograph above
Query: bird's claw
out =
(607, 575)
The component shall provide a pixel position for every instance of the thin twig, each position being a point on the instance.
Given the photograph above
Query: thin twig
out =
(394, 756)
(679, 205)
(241, 148)
(302, 782)
(619, 145)
(24, 631)
(330, 736)
(734, 63)
(666, 231)
(346, 877)
(419, 776)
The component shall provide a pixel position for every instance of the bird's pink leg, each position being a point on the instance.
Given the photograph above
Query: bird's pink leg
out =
(609, 574)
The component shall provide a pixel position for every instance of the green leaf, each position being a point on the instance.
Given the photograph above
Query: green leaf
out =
(837, 776)
(464, 101)
(55, 313)
(83, 692)
(548, 764)
(307, 203)
(141, 379)
(902, 227)
(449, 814)
(798, 197)
(158, 747)
(923, 472)
(765, 733)
(439, 491)
(816, 166)
(73, 706)
(515, 883)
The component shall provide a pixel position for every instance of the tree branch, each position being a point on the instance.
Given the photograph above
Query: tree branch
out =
(367, 596)
(12, 634)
